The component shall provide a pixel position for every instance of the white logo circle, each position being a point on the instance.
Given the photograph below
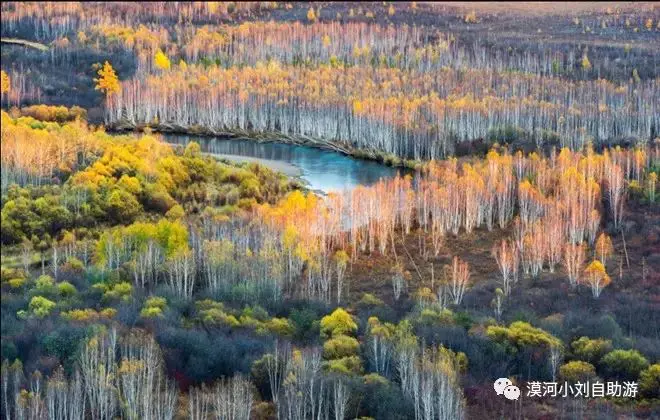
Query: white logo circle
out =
(500, 384)
(512, 392)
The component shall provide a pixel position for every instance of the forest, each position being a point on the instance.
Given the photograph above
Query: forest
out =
(517, 235)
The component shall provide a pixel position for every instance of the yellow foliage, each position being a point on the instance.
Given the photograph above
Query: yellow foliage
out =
(156, 302)
(596, 268)
(357, 107)
(130, 366)
(596, 276)
(280, 326)
(212, 6)
(80, 315)
(4, 82)
(311, 15)
(108, 313)
(341, 258)
(16, 283)
(339, 322)
(426, 295)
(151, 312)
(289, 237)
(604, 247)
(108, 82)
(161, 61)
(123, 291)
(346, 365)
(340, 346)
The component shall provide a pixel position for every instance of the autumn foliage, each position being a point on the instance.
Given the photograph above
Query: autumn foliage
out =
(107, 82)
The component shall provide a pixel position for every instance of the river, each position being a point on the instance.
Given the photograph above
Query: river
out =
(322, 170)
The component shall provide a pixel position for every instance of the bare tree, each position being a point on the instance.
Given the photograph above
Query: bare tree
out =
(181, 269)
(305, 388)
(4, 375)
(276, 364)
(199, 403)
(506, 256)
(341, 260)
(574, 255)
(98, 369)
(380, 342)
(340, 395)
(615, 183)
(233, 398)
(436, 392)
(406, 348)
(555, 357)
(398, 282)
(144, 388)
(26, 255)
(459, 273)
(65, 399)
(498, 303)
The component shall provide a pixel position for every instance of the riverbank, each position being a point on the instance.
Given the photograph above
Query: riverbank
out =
(24, 43)
(291, 171)
(271, 137)
(283, 167)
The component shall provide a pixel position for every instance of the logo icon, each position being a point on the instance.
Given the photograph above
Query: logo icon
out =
(500, 384)
(504, 386)
(512, 392)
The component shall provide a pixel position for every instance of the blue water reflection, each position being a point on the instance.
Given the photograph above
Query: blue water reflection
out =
(323, 170)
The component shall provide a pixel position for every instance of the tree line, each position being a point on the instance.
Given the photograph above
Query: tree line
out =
(406, 114)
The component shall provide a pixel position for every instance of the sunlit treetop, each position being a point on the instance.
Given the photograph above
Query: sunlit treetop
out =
(108, 82)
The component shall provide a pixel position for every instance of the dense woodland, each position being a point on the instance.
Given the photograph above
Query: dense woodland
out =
(143, 280)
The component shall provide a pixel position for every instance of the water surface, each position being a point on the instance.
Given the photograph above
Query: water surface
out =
(323, 170)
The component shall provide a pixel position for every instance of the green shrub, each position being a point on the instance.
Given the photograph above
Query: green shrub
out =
(16, 283)
(122, 291)
(280, 326)
(370, 300)
(151, 312)
(591, 350)
(432, 317)
(340, 346)
(44, 283)
(41, 307)
(624, 364)
(66, 289)
(346, 365)
(577, 371)
(339, 322)
(649, 381)
(521, 334)
(156, 302)
(73, 265)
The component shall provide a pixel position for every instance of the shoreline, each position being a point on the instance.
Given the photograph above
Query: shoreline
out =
(287, 169)
(269, 137)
